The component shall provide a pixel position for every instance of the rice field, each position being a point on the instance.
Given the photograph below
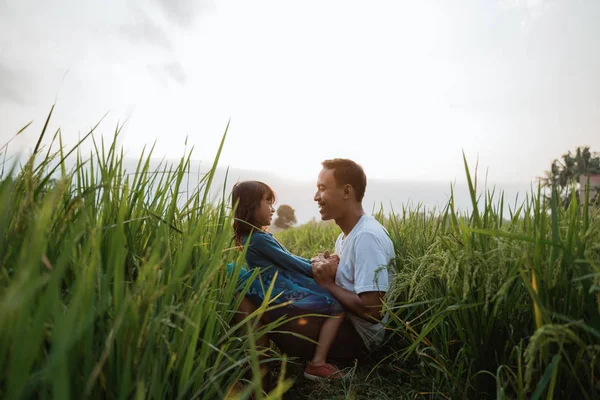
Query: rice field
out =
(113, 285)
(487, 305)
(109, 288)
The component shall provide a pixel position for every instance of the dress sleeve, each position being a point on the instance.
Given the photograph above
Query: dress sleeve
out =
(268, 248)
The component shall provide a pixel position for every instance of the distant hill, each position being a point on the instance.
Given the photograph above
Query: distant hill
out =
(391, 194)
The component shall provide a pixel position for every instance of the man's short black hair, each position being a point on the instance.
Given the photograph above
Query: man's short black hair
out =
(347, 172)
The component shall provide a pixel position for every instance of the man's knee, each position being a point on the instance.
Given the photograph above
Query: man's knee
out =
(245, 308)
(248, 307)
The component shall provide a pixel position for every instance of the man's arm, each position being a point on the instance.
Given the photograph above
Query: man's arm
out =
(366, 305)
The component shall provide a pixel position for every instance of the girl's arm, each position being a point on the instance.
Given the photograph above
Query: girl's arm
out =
(269, 248)
(304, 260)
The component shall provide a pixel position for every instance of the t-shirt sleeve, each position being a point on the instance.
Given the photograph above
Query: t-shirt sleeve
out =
(371, 263)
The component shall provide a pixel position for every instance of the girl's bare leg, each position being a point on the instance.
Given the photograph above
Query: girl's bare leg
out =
(327, 335)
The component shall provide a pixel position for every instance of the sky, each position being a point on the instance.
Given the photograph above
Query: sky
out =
(402, 87)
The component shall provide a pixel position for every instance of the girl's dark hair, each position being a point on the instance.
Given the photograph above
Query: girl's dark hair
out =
(245, 198)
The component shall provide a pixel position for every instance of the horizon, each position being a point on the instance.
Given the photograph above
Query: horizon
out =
(389, 193)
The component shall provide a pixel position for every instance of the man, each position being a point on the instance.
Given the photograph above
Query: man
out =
(365, 250)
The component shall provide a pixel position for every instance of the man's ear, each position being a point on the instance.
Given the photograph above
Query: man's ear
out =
(348, 191)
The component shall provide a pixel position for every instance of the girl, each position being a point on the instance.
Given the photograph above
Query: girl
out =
(253, 202)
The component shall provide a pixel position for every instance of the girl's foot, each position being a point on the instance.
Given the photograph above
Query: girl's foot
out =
(322, 372)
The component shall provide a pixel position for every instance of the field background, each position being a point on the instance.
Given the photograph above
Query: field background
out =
(112, 287)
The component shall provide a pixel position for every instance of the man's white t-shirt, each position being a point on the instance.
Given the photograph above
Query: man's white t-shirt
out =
(364, 257)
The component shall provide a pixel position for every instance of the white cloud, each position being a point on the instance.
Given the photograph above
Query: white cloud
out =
(403, 87)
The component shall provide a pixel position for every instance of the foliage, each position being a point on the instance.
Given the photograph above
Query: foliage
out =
(114, 286)
(564, 174)
(488, 305)
(286, 217)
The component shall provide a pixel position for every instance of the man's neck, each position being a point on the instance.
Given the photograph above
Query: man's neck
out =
(350, 219)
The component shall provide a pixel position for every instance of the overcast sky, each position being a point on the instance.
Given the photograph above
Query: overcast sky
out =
(400, 86)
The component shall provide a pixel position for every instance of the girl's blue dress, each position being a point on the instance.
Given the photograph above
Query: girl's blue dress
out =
(294, 280)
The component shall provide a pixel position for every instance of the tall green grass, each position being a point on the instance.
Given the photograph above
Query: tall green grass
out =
(488, 305)
(113, 284)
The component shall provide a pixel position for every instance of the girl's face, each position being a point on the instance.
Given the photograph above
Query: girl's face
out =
(265, 211)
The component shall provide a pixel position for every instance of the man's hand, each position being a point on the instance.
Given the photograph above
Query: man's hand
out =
(322, 257)
(324, 269)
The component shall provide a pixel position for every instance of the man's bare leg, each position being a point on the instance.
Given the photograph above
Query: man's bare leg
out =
(246, 308)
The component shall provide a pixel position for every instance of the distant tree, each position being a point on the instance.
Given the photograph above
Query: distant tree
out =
(564, 173)
(286, 217)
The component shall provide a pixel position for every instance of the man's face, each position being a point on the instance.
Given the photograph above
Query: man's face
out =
(329, 196)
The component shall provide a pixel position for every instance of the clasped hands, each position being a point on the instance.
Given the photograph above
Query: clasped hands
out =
(324, 267)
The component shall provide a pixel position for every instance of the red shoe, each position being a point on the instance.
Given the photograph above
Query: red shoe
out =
(322, 372)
